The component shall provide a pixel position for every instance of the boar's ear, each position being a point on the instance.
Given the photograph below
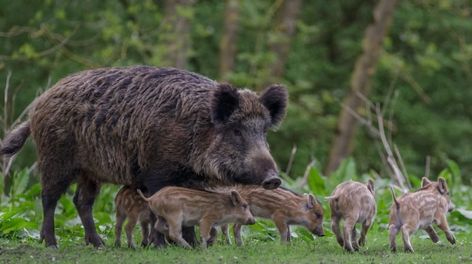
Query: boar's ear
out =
(442, 185)
(311, 201)
(275, 98)
(224, 102)
(370, 186)
(425, 182)
(236, 198)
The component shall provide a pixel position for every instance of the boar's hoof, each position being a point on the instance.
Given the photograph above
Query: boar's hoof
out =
(96, 241)
(272, 183)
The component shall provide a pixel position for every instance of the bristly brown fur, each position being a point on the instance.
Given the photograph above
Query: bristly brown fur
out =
(420, 209)
(177, 207)
(284, 207)
(353, 202)
(148, 128)
(129, 205)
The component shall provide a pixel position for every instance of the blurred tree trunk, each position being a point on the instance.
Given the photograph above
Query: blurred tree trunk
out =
(229, 38)
(360, 83)
(279, 43)
(176, 38)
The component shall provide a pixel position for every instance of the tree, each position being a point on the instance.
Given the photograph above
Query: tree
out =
(284, 30)
(360, 83)
(176, 32)
(229, 37)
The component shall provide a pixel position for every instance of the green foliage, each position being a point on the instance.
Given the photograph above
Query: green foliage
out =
(426, 59)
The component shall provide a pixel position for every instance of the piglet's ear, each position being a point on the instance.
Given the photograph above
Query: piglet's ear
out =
(424, 182)
(370, 186)
(224, 102)
(442, 185)
(275, 98)
(311, 201)
(236, 199)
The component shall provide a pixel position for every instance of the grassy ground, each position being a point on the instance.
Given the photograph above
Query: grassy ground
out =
(322, 250)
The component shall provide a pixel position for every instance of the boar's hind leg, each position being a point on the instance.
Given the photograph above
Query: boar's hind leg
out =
(84, 198)
(54, 183)
(432, 234)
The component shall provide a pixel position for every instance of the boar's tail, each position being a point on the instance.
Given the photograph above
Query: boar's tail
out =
(142, 196)
(14, 140)
(397, 205)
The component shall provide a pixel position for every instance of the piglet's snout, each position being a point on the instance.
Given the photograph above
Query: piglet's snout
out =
(451, 207)
(251, 221)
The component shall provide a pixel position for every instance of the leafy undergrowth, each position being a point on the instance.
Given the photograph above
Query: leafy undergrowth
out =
(320, 250)
(21, 217)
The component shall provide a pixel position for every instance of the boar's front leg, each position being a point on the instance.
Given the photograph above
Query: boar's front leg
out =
(443, 225)
(336, 230)
(432, 234)
(84, 198)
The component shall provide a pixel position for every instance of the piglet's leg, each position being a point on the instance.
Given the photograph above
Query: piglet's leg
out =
(205, 231)
(406, 231)
(336, 230)
(120, 218)
(224, 230)
(132, 220)
(355, 245)
(365, 227)
(432, 234)
(237, 234)
(283, 228)
(289, 234)
(175, 233)
(349, 225)
(442, 223)
(393, 231)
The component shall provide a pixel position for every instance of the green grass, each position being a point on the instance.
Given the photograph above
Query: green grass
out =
(321, 250)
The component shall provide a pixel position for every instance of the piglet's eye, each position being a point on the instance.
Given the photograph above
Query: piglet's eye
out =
(244, 206)
(238, 132)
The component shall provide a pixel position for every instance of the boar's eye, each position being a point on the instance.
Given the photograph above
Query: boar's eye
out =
(318, 215)
(237, 132)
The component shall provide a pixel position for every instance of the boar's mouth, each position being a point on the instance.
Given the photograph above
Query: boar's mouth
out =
(270, 183)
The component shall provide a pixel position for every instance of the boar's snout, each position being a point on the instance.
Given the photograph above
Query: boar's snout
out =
(271, 182)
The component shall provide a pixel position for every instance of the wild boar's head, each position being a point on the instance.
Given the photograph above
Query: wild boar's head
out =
(239, 152)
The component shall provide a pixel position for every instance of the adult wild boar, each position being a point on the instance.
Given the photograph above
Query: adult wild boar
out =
(146, 127)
